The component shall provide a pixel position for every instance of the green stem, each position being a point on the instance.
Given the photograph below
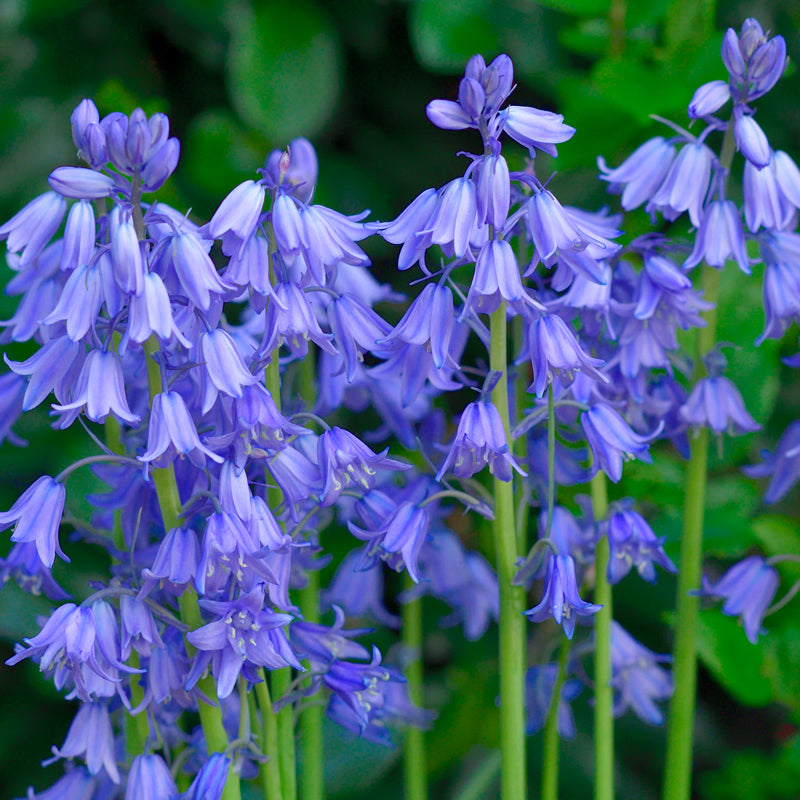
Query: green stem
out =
(414, 760)
(281, 681)
(520, 445)
(137, 729)
(603, 691)
(270, 770)
(311, 718)
(170, 504)
(512, 598)
(550, 758)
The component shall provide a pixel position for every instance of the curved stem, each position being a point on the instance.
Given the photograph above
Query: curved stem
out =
(603, 692)
(512, 598)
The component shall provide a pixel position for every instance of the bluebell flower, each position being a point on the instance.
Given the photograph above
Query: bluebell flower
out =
(79, 183)
(455, 219)
(396, 538)
(720, 237)
(13, 389)
(480, 440)
(239, 212)
(359, 591)
(748, 589)
(31, 574)
(536, 129)
(787, 175)
(345, 462)
(751, 141)
(781, 289)
(540, 683)
(36, 515)
(638, 682)
(224, 367)
(79, 303)
(79, 235)
(126, 251)
(195, 270)
(764, 203)
(151, 313)
(429, 320)
(708, 98)
(612, 439)
(31, 228)
(754, 63)
(783, 465)
(686, 184)
(91, 737)
(76, 784)
(209, 782)
(176, 561)
(639, 176)
(715, 402)
(496, 280)
(494, 190)
(632, 543)
(150, 779)
(356, 329)
(560, 600)
(138, 628)
(554, 350)
(245, 635)
(98, 392)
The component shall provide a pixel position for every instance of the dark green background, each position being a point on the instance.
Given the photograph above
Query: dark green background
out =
(239, 78)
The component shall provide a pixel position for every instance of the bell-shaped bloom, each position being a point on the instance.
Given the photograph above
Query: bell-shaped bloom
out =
(151, 313)
(31, 228)
(172, 433)
(239, 212)
(456, 216)
(160, 165)
(787, 175)
(91, 737)
(412, 229)
(139, 630)
(612, 439)
(79, 236)
(448, 115)
(209, 783)
(748, 588)
(536, 129)
(47, 369)
(176, 561)
(429, 320)
(638, 681)
(244, 636)
(150, 779)
(783, 466)
(540, 683)
(632, 543)
(494, 191)
(126, 252)
(79, 303)
(195, 270)
(396, 538)
(720, 237)
(224, 367)
(346, 462)
(764, 203)
(715, 402)
(496, 279)
(356, 329)
(686, 184)
(77, 784)
(24, 565)
(480, 440)
(710, 97)
(554, 351)
(79, 183)
(561, 600)
(99, 391)
(641, 173)
(751, 141)
(36, 516)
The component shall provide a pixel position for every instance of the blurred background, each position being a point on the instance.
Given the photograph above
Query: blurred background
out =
(240, 78)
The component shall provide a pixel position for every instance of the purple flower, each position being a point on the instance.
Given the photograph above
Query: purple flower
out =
(138, 627)
(345, 462)
(536, 129)
(686, 184)
(150, 779)
(540, 683)
(455, 219)
(195, 270)
(748, 589)
(716, 402)
(783, 465)
(79, 236)
(750, 140)
(636, 678)
(77, 784)
(641, 173)
(79, 183)
(560, 599)
(29, 571)
(31, 228)
(720, 237)
(239, 212)
(210, 781)
(496, 279)
(764, 203)
(480, 440)
(632, 543)
(612, 439)
(90, 736)
(245, 635)
(554, 350)
(172, 433)
(37, 514)
(176, 561)
(710, 97)
(224, 367)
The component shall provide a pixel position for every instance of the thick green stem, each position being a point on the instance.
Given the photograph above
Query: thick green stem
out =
(281, 681)
(550, 754)
(169, 502)
(270, 770)
(311, 783)
(603, 692)
(512, 598)
(414, 761)
(520, 445)
(137, 729)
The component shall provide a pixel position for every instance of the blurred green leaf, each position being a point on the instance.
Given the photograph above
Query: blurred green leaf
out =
(580, 8)
(446, 34)
(735, 662)
(778, 536)
(284, 68)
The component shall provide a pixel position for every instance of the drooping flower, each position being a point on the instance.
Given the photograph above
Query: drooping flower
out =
(540, 683)
(91, 737)
(716, 402)
(783, 465)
